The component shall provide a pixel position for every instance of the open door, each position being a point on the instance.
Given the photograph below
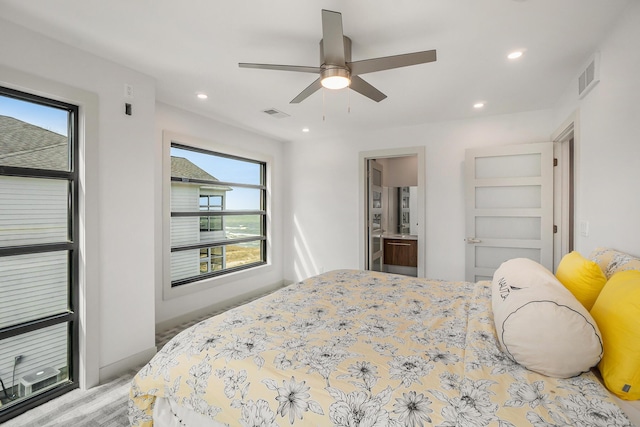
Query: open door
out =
(509, 207)
(375, 201)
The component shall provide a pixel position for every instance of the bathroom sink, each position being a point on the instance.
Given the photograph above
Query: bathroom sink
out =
(401, 236)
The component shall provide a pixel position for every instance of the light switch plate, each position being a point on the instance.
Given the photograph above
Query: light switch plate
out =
(584, 228)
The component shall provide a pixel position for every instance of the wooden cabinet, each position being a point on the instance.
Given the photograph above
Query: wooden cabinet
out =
(401, 252)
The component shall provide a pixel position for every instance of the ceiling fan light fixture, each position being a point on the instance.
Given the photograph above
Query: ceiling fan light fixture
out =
(335, 78)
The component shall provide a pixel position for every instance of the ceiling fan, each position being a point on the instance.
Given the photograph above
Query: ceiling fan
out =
(336, 69)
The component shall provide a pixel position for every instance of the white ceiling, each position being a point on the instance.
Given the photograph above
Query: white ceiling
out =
(192, 46)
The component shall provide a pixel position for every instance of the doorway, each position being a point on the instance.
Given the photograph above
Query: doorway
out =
(509, 206)
(533, 216)
(564, 150)
(398, 217)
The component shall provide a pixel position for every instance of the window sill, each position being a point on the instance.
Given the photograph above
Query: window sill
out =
(170, 292)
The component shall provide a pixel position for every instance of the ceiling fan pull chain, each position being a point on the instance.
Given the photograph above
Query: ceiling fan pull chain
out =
(348, 100)
(323, 104)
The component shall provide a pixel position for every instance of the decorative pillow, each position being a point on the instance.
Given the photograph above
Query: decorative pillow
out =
(617, 313)
(584, 278)
(612, 261)
(540, 324)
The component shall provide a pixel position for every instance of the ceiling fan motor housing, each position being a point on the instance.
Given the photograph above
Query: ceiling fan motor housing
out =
(347, 52)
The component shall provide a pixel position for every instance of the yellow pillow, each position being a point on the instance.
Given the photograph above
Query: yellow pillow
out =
(617, 313)
(584, 278)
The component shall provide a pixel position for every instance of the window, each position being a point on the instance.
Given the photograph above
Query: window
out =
(211, 203)
(212, 259)
(38, 250)
(218, 213)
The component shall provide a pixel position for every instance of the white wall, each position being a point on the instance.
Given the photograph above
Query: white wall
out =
(232, 287)
(400, 171)
(123, 274)
(608, 150)
(323, 190)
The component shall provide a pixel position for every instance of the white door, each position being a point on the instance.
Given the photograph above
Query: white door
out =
(375, 217)
(509, 207)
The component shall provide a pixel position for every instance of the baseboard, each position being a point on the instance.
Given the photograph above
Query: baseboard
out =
(120, 367)
(214, 308)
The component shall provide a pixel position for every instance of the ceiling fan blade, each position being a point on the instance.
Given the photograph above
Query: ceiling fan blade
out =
(332, 38)
(298, 68)
(366, 89)
(307, 92)
(390, 62)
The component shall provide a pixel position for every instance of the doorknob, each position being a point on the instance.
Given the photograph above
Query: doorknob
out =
(472, 240)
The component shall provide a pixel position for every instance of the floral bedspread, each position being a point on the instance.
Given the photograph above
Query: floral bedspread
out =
(355, 348)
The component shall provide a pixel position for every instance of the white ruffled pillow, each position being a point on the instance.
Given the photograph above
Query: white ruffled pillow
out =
(540, 324)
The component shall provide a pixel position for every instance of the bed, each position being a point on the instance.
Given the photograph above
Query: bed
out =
(359, 348)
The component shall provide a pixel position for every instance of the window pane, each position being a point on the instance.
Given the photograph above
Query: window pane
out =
(212, 202)
(34, 210)
(190, 263)
(204, 267)
(215, 223)
(33, 135)
(243, 253)
(239, 226)
(187, 197)
(33, 286)
(506, 227)
(238, 198)
(44, 362)
(214, 228)
(492, 257)
(184, 231)
(523, 196)
(209, 166)
(521, 165)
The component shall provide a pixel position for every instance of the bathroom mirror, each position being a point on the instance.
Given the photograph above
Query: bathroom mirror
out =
(402, 213)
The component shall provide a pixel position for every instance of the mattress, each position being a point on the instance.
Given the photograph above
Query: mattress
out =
(356, 348)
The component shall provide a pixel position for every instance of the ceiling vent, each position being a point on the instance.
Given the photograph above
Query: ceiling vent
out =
(590, 76)
(275, 113)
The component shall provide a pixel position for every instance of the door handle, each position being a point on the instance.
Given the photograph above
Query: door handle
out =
(472, 240)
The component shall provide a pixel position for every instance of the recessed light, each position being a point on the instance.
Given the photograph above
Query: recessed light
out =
(515, 55)
(478, 105)
(202, 96)
(305, 130)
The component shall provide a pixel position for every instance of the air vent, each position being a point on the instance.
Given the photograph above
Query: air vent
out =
(275, 113)
(590, 76)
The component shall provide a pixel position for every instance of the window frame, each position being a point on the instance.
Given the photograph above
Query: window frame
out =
(72, 246)
(215, 278)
